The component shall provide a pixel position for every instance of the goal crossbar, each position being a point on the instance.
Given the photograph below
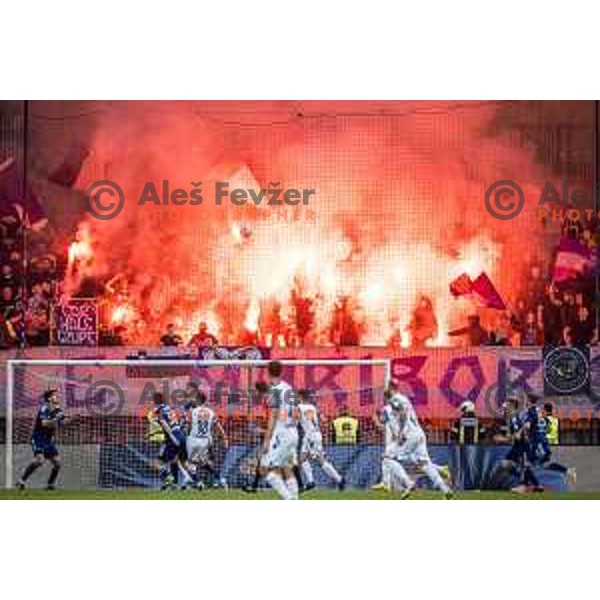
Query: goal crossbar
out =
(159, 362)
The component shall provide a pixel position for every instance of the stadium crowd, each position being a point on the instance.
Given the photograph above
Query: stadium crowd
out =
(28, 285)
(553, 313)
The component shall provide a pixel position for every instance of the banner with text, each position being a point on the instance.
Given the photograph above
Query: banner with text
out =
(76, 322)
(437, 380)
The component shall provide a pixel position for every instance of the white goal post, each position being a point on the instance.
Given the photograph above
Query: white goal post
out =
(13, 364)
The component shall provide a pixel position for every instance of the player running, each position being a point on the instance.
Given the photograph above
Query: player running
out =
(311, 444)
(202, 422)
(515, 463)
(280, 444)
(49, 418)
(411, 450)
(537, 423)
(173, 452)
(536, 428)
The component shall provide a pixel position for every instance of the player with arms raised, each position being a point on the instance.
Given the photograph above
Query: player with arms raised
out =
(311, 445)
(49, 417)
(280, 444)
(411, 450)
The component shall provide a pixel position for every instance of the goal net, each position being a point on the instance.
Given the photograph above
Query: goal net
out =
(110, 438)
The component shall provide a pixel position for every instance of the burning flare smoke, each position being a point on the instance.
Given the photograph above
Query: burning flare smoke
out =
(398, 214)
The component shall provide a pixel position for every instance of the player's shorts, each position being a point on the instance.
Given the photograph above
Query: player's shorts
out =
(283, 449)
(312, 444)
(198, 449)
(539, 450)
(173, 449)
(45, 447)
(517, 453)
(413, 451)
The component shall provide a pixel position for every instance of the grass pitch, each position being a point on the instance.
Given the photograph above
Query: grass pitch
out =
(219, 494)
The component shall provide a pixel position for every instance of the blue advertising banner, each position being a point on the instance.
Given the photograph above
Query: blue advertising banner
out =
(471, 467)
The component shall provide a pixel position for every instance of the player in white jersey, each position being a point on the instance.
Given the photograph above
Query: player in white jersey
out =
(411, 450)
(387, 421)
(311, 445)
(202, 423)
(279, 453)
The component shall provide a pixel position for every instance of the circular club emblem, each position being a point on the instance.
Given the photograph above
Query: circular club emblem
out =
(566, 370)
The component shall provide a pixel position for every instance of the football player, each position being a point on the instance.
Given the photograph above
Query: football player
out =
(280, 444)
(49, 418)
(411, 450)
(173, 452)
(311, 445)
(200, 439)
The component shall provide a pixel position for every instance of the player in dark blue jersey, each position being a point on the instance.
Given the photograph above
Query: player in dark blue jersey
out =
(516, 462)
(43, 443)
(538, 421)
(173, 452)
(536, 428)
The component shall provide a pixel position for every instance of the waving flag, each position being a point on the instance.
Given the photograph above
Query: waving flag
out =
(486, 293)
(481, 290)
(14, 201)
(573, 259)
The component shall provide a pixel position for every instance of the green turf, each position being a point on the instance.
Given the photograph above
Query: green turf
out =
(140, 494)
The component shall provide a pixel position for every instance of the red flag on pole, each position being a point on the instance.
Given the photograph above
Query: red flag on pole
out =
(486, 293)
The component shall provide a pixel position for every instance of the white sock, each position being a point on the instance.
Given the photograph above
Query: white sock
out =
(397, 472)
(307, 472)
(331, 472)
(292, 487)
(386, 474)
(276, 482)
(434, 476)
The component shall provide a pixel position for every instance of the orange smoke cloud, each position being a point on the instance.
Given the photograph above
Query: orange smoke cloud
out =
(399, 211)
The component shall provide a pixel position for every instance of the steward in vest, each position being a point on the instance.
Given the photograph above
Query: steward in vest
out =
(345, 428)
